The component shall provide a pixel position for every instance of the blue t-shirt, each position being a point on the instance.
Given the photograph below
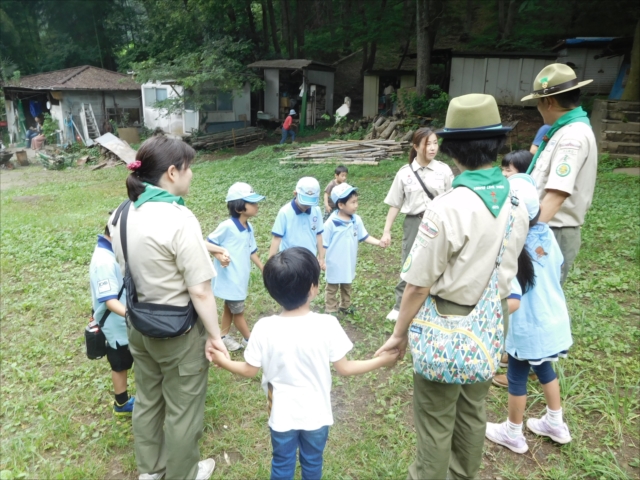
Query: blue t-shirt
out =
(340, 238)
(106, 281)
(232, 282)
(541, 327)
(298, 228)
(542, 131)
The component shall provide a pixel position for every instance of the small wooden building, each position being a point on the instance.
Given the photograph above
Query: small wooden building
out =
(66, 95)
(285, 84)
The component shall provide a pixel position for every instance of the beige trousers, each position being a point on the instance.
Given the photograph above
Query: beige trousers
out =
(331, 293)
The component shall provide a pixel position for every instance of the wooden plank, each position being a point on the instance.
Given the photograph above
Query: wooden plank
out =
(320, 162)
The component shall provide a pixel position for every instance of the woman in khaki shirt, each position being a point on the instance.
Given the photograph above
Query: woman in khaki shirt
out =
(169, 266)
(408, 196)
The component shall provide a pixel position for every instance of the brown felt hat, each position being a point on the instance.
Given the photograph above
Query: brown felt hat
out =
(554, 79)
(473, 116)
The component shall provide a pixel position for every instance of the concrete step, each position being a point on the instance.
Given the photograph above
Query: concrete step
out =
(620, 147)
(620, 126)
(616, 105)
(623, 115)
(618, 136)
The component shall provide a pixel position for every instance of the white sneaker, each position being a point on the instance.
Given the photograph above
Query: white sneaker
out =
(244, 343)
(151, 476)
(205, 469)
(231, 344)
(541, 426)
(497, 433)
(393, 315)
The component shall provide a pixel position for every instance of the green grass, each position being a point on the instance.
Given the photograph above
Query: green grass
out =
(55, 411)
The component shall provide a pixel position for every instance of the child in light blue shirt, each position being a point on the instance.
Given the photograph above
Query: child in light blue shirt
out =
(299, 222)
(343, 231)
(234, 247)
(108, 294)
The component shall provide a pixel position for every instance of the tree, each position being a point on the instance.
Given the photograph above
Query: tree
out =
(274, 32)
(506, 24)
(632, 89)
(428, 12)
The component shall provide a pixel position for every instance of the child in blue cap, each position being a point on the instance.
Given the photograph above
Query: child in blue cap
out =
(343, 230)
(233, 245)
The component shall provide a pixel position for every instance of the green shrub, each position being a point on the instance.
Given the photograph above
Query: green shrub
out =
(434, 104)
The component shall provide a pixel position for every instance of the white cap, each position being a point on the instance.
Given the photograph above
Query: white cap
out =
(241, 190)
(292, 112)
(524, 187)
(308, 190)
(341, 191)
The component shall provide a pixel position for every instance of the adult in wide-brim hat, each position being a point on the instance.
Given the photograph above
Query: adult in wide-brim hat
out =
(565, 165)
(452, 261)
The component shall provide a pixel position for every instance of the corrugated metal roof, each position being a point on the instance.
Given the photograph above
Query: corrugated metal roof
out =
(77, 78)
(294, 64)
(583, 42)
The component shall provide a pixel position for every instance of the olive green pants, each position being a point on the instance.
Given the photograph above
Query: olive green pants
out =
(171, 387)
(450, 421)
(569, 240)
(410, 228)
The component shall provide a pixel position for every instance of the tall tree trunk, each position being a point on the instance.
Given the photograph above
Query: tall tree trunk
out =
(329, 11)
(374, 44)
(274, 30)
(346, 22)
(501, 16)
(265, 26)
(632, 89)
(287, 27)
(511, 18)
(365, 45)
(253, 33)
(423, 46)
(468, 20)
(406, 45)
(300, 26)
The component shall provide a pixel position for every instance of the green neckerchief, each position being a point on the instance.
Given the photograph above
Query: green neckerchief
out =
(489, 184)
(156, 194)
(575, 115)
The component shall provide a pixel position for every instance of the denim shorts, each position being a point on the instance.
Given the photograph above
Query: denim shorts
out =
(235, 306)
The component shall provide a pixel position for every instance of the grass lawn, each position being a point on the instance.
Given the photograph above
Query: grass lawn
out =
(56, 404)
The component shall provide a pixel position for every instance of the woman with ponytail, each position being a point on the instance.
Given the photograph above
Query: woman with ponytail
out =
(169, 266)
(413, 188)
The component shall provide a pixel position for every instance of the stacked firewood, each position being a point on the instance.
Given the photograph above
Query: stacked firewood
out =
(368, 152)
(229, 138)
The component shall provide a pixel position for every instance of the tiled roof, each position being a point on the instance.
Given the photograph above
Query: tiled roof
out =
(77, 78)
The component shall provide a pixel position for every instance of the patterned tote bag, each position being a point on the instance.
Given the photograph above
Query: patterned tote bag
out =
(461, 349)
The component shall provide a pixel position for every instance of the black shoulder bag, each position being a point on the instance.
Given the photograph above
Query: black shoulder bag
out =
(424, 187)
(151, 319)
(94, 339)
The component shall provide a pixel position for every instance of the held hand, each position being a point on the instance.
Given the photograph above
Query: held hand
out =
(217, 357)
(327, 209)
(394, 343)
(382, 244)
(323, 264)
(212, 346)
(390, 357)
(224, 258)
(385, 239)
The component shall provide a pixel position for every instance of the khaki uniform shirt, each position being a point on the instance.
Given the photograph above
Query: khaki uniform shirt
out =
(166, 252)
(569, 163)
(457, 245)
(407, 194)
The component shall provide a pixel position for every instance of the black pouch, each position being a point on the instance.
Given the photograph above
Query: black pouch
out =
(95, 341)
(151, 319)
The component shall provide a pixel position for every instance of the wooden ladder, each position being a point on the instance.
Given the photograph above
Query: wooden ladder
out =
(89, 123)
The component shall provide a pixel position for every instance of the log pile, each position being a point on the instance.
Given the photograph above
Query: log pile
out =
(230, 138)
(358, 152)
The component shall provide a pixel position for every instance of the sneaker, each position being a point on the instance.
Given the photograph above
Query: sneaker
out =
(124, 410)
(504, 361)
(541, 426)
(244, 343)
(497, 433)
(393, 315)
(348, 311)
(500, 381)
(151, 476)
(231, 344)
(205, 469)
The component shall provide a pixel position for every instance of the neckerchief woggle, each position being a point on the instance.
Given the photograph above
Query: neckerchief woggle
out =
(575, 115)
(489, 184)
(156, 194)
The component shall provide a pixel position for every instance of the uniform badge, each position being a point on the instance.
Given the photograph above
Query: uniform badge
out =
(104, 286)
(544, 82)
(407, 264)
(563, 170)
(409, 180)
(315, 219)
(429, 228)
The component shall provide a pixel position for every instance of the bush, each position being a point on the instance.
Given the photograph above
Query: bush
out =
(434, 104)
(49, 128)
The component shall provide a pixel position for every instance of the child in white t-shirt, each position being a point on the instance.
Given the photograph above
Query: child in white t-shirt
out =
(294, 350)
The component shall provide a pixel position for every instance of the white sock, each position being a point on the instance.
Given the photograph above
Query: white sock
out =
(514, 430)
(554, 417)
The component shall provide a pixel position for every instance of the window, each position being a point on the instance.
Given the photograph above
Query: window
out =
(153, 95)
(222, 102)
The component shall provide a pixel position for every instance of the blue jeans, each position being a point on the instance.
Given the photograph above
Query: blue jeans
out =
(285, 445)
(285, 133)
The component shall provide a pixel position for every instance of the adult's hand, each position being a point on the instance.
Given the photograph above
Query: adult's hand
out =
(394, 343)
(214, 345)
(385, 240)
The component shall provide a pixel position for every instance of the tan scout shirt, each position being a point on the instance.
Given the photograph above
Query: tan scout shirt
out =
(166, 252)
(569, 163)
(407, 194)
(457, 245)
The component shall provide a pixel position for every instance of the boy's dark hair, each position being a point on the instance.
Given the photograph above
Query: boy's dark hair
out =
(568, 100)
(474, 153)
(346, 199)
(341, 169)
(289, 275)
(156, 155)
(520, 159)
(236, 206)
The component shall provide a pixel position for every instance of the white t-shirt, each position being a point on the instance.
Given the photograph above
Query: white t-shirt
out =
(294, 354)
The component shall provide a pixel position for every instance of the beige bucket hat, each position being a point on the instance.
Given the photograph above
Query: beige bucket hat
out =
(473, 116)
(554, 79)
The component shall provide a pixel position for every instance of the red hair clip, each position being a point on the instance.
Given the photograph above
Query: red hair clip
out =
(135, 165)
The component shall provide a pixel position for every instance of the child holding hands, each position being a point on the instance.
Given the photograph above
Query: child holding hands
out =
(294, 350)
